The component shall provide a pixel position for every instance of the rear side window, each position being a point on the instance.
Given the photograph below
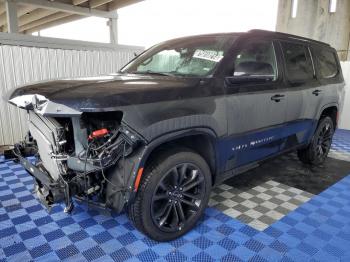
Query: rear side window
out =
(326, 62)
(298, 62)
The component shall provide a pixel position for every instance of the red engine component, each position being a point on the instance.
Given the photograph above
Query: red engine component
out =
(98, 133)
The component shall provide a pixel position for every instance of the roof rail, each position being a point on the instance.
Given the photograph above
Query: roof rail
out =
(266, 32)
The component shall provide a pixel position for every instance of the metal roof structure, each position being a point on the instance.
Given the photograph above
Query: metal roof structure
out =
(28, 16)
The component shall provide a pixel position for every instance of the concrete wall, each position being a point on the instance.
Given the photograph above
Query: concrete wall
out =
(26, 59)
(314, 20)
(344, 120)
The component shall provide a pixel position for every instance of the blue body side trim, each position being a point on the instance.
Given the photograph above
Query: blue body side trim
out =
(246, 148)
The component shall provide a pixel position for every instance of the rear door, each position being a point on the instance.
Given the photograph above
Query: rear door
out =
(303, 93)
(256, 109)
(329, 75)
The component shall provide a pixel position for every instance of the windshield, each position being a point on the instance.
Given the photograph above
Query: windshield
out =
(188, 57)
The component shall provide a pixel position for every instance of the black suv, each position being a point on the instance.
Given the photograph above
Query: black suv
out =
(181, 117)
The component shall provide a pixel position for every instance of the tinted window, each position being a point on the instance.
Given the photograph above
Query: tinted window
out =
(326, 63)
(298, 62)
(256, 59)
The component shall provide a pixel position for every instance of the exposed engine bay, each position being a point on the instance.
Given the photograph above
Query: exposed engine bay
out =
(78, 157)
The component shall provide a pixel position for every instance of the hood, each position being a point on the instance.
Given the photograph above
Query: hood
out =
(74, 96)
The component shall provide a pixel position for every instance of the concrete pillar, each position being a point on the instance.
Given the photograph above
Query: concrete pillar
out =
(12, 21)
(113, 29)
(314, 20)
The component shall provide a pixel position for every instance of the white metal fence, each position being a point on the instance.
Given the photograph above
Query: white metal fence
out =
(26, 59)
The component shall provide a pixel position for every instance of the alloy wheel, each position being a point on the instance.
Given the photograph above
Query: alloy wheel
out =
(324, 141)
(177, 197)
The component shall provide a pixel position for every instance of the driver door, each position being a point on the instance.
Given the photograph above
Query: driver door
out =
(256, 109)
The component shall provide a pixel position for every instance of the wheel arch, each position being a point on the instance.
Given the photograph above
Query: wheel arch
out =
(332, 111)
(200, 140)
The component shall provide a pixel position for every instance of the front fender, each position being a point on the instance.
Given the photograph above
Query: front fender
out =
(179, 124)
(137, 162)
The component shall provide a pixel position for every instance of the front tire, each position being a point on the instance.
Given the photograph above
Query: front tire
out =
(172, 196)
(317, 151)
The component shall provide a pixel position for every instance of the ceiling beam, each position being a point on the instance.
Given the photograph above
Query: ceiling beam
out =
(69, 8)
(116, 4)
(21, 10)
(96, 3)
(2, 8)
(34, 15)
(78, 2)
(44, 20)
(53, 23)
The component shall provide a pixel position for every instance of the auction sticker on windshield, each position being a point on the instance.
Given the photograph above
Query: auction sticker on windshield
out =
(208, 55)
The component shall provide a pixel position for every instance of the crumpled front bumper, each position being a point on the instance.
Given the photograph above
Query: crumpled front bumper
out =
(47, 190)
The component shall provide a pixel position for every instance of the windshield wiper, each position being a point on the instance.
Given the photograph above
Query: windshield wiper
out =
(149, 72)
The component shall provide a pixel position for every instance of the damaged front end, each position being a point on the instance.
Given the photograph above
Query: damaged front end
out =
(79, 156)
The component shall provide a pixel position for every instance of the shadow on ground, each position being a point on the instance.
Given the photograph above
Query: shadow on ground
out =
(288, 170)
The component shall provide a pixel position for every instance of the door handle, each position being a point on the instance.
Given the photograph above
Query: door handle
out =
(277, 97)
(316, 92)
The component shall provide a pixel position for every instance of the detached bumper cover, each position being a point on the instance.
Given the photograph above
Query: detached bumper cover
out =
(42, 177)
(47, 190)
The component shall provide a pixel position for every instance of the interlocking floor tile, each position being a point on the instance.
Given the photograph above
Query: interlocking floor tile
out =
(260, 206)
(341, 140)
(341, 155)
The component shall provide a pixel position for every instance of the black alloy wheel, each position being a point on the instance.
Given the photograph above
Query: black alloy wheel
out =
(316, 152)
(177, 197)
(172, 195)
(324, 141)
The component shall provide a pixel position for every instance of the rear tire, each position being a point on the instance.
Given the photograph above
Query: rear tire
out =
(172, 196)
(317, 151)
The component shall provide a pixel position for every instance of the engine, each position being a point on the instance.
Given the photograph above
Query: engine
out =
(75, 155)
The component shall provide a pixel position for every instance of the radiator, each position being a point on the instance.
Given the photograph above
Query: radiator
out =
(48, 134)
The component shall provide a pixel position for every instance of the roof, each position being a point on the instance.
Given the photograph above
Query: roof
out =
(256, 32)
(36, 15)
(190, 37)
(285, 36)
